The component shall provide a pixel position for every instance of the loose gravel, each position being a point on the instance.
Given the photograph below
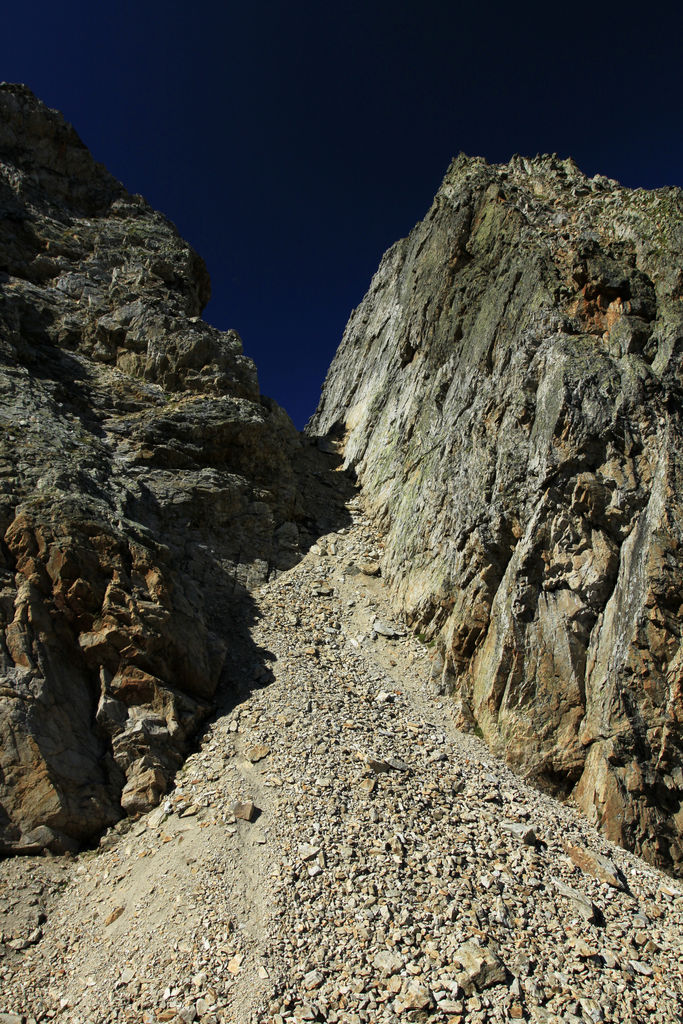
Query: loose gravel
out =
(337, 851)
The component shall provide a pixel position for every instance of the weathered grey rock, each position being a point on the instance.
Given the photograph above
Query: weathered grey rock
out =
(582, 904)
(509, 395)
(387, 629)
(524, 833)
(144, 486)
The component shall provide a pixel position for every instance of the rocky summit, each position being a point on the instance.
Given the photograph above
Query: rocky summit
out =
(258, 689)
(509, 393)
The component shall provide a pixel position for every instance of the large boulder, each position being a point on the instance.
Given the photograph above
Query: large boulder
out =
(509, 393)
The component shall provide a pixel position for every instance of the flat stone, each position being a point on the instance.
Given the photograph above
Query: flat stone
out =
(235, 963)
(305, 1012)
(583, 905)
(389, 963)
(307, 851)
(114, 915)
(450, 1006)
(520, 831)
(387, 629)
(598, 865)
(415, 996)
(382, 765)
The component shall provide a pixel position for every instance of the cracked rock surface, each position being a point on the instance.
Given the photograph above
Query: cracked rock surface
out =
(391, 867)
(145, 484)
(173, 554)
(509, 393)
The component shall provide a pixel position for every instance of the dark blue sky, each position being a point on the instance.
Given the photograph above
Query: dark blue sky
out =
(292, 143)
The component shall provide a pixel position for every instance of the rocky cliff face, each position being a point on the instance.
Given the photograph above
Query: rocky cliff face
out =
(509, 393)
(144, 485)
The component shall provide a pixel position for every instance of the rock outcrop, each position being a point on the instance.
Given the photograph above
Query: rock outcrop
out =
(144, 485)
(509, 393)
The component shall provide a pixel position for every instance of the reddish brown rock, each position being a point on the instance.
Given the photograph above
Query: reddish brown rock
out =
(596, 864)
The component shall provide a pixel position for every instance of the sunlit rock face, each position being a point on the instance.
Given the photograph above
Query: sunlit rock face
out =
(509, 393)
(144, 486)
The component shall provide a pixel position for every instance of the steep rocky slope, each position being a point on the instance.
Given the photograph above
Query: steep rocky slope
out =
(144, 484)
(391, 869)
(509, 393)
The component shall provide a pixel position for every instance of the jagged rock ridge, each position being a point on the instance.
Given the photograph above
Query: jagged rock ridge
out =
(144, 484)
(509, 393)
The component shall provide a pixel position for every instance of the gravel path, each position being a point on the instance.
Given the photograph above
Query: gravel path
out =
(336, 851)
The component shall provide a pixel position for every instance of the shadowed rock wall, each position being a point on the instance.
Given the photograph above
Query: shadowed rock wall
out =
(144, 485)
(509, 393)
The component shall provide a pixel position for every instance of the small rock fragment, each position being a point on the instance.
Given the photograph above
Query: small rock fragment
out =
(257, 752)
(598, 865)
(640, 967)
(235, 963)
(520, 831)
(386, 629)
(582, 904)
(389, 963)
(245, 811)
(307, 851)
(415, 997)
(385, 764)
(481, 967)
(369, 568)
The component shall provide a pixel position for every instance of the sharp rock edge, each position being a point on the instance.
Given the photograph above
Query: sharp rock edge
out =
(509, 395)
